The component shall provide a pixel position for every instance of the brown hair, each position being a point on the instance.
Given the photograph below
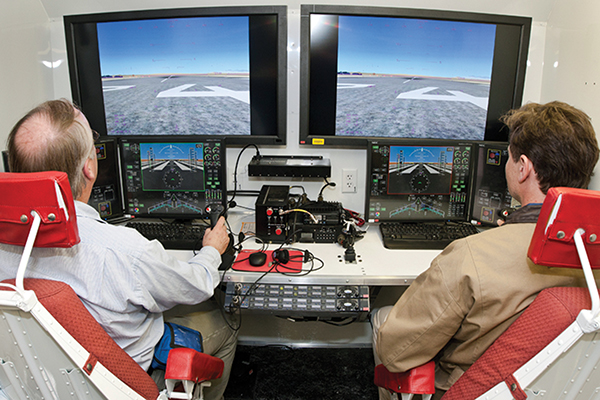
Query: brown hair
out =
(558, 139)
(62, 143)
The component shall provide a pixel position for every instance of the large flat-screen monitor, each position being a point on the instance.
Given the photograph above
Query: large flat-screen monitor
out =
(372, 73)
(218, 71)
(427, 181)
(171, 177)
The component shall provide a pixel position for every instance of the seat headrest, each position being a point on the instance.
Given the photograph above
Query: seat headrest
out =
(564, 211)
(46, 193)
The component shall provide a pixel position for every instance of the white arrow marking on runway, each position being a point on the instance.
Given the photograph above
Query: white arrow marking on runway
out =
(420, 94)
(352, 85)
(217, 91)
(113, 88)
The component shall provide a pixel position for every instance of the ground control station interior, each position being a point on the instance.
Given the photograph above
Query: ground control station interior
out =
(315, 129)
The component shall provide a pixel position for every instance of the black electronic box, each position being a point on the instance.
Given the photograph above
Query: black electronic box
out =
(271, 224)
(322, 223)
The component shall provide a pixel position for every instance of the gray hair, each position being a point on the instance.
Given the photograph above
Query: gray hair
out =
(55, 141)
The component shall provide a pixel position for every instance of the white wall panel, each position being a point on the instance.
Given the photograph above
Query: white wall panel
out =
(24, 45)
(44, 39)
(572, 60)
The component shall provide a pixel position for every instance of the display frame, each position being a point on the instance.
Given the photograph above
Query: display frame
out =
(460, 174)
(219, 174)
(317, 106)
(268, 114)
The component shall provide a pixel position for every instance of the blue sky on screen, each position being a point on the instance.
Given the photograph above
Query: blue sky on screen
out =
(426, 154)
(174, 46)
(432, 48)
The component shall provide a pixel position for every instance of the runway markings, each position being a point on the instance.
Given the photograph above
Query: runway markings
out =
(216, 91)
(156, 167)
(352, 85)
(182, 167)
(421, 94)
(113, 88)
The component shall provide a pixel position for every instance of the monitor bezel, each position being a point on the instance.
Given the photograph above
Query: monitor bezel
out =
(421, 142)
(86, 89)
(172, 139)
(307, 138)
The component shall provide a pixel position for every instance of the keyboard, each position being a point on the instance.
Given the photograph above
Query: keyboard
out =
(172, 235)
(423, 235)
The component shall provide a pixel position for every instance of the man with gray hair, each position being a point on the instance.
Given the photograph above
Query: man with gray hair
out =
(126, 281)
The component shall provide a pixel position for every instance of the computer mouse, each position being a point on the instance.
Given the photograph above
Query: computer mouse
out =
(257, 259)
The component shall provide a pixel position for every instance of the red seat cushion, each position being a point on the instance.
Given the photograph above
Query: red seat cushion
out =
(552, 311)
(61, 301)
(191, 365)
(418, 380)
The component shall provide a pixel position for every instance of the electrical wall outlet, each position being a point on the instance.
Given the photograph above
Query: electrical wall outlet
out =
(349, 178)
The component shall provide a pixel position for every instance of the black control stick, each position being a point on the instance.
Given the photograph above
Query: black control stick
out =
(215, 211)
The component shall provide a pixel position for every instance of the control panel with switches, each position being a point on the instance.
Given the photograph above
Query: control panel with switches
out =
(290, 300)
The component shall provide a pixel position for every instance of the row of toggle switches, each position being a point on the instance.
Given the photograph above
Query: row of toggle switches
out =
(294, 300)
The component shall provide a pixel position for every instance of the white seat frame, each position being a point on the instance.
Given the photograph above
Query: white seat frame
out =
(577, 348)
(24, 321)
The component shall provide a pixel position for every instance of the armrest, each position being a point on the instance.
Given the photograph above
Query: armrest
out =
(190, 365)
(419, 380)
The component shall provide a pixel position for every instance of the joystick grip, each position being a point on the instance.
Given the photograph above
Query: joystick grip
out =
(215, 211)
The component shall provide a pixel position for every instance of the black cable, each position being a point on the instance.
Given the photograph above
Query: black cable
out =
(233, 309)
(307, 257)
(236, 167)
(299, 187)
(352, 320)
(327, 183)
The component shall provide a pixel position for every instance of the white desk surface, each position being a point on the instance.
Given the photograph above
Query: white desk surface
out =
(375, 265)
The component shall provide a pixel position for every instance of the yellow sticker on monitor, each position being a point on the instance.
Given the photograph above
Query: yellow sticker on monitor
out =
(319, 141)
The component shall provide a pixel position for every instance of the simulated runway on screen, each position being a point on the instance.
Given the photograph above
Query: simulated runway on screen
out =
(411, 107)
(177, 105)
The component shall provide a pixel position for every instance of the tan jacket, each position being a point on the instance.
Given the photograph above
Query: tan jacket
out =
(470, 294)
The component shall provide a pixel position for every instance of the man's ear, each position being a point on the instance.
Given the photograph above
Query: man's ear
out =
(89, 170)
(526, 169)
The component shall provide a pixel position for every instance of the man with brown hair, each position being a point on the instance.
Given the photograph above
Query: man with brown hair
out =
(126, 281)
(479, 285)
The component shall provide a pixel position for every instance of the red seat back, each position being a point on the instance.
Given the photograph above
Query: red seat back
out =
(47, 193)
(564, 211)
(552, 311)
